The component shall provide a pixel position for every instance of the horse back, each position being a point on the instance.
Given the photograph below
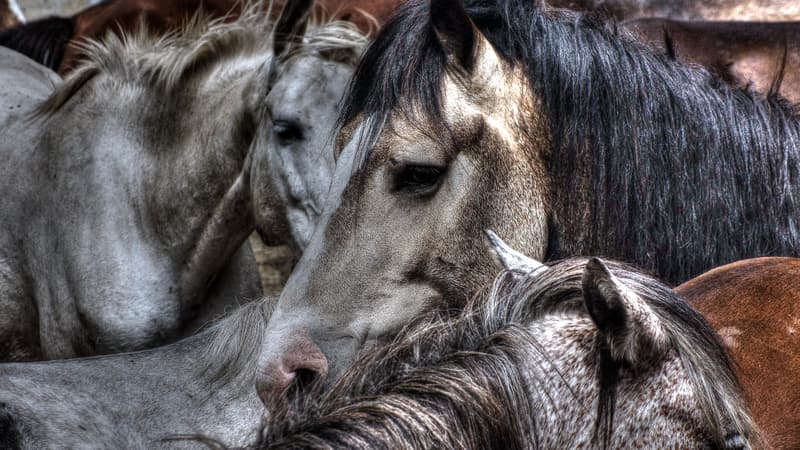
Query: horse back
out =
(754, 305)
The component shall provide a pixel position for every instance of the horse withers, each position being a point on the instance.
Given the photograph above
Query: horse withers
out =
(129, 193)
(583, 354)
(565, 137)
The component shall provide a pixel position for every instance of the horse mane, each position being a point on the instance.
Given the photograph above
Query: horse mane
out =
(677, 171)
(458, 380)
(232, 352)
(41, 40)
(165, 61)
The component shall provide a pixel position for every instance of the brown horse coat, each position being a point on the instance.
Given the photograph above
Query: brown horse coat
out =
(772, 10)
(755, 307)
(742, 53)
(8, 17)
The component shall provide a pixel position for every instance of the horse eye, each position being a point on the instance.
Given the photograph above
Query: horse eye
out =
(418, 180)
(287, 131)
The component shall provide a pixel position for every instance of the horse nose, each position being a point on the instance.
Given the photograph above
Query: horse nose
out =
(300, 361)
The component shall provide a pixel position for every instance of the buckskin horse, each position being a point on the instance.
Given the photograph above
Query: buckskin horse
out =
(130, 190)
(547, 127)
(56, 41)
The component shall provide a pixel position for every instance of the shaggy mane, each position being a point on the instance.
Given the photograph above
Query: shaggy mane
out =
(163, 62)
(421, 390)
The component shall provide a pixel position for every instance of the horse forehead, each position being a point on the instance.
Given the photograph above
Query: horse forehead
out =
(311, 82)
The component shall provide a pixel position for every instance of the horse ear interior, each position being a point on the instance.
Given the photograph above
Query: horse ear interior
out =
(455, 31)
(631, 329)
(291, 24)
(511, 259)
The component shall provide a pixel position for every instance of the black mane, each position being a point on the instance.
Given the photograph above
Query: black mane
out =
(43, 40)
(682, 172)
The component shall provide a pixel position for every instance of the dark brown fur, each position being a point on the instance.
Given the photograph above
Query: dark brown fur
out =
(742, 53)
(688, 9)
(755, 306)
(7, 18)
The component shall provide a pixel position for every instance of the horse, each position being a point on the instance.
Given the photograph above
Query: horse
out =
(755, 306)
(762, 54)
(201, 383)
(10, 14)
(55, 41)
(548, 127)
(139, 399)
(745, 10)
(130, 191)
(577, 355)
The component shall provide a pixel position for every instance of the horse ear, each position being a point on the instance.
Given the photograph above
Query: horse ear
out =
(455, 31)
(511, 259)
(463, 43)
(630, 327)
(291, 24)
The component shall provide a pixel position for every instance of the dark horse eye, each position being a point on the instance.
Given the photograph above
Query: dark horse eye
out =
(287, 131)
(419, 180)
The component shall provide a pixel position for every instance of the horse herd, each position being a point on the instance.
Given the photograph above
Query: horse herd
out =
(422, 156)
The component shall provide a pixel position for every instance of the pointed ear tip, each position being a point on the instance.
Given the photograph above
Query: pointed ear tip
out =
(596, 266)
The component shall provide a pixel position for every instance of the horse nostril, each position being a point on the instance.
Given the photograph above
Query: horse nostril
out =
(301, 366)
(305, 378)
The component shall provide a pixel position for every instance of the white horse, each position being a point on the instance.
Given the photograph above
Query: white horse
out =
(129, 192)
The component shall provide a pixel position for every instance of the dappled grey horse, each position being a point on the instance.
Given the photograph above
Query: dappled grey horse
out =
(129, 192)
(582, 354)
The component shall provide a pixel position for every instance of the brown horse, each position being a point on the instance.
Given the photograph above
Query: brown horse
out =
(771, 10)
(10, 14)
(46, 40)
(755, 307)
(764, 54)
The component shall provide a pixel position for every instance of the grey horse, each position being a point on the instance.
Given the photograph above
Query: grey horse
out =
(201, 384)
(130, 190)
